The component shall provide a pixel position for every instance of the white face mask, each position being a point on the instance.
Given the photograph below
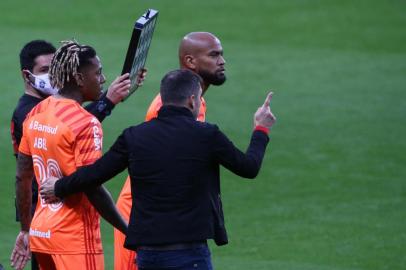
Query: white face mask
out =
(43, 84)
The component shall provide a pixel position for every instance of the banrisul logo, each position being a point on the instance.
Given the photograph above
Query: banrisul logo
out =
(35, 125)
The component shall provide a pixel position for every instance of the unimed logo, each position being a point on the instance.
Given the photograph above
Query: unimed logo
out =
(36, 233)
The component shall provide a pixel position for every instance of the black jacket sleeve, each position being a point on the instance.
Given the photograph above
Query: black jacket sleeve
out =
(101, 108)
(109, 165)
(245, 165)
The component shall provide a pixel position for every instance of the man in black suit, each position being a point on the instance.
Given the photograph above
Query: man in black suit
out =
(174, 163)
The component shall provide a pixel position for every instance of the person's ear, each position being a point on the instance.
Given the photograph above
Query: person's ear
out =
(26, 75)
(190, 62)
(79, 79)
(191, 102)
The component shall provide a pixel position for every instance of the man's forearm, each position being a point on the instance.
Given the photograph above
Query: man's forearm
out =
(91, 176)
(247, 164)
(24, 177)
(100, 108)
(104, 204)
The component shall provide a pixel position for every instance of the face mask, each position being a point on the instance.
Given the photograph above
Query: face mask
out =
(42, 84)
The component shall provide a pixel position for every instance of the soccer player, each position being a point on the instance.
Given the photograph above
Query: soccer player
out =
(35, 59)
(60, 136)
(202, 53)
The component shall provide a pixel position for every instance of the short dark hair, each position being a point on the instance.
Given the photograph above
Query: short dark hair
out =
(178, 85)
(68, 59)
(32, 50)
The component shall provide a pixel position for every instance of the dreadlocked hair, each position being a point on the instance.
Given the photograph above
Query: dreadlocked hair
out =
(68, 59)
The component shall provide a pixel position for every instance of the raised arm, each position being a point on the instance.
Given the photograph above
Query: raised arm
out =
(246, 164)
(117, 91)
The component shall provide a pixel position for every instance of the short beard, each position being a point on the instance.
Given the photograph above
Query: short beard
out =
(212, 78)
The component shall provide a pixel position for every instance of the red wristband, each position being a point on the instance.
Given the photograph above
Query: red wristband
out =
(263, 129)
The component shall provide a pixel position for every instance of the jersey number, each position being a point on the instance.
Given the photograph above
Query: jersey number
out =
(44, 170)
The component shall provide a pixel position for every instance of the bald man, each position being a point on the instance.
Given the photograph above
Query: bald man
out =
(202, 53)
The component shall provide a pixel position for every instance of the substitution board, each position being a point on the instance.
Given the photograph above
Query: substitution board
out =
(139, 45)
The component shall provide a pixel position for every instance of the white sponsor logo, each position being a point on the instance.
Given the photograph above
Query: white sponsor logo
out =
(96, 135)
(35, 125)
(36, 233)
(40, 143)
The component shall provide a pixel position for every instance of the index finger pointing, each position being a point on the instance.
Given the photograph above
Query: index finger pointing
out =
(268, 99)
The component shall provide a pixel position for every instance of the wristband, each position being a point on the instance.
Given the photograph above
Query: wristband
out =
(262, 128)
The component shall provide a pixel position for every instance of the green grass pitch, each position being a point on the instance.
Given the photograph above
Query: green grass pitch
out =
(332, 190)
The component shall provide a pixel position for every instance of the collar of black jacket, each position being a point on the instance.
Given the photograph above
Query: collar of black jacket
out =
(172, 110)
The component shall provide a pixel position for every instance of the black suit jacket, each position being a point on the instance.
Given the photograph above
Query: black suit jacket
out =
(173, 162)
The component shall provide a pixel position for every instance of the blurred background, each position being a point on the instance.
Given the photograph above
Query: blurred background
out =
(331, 193)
